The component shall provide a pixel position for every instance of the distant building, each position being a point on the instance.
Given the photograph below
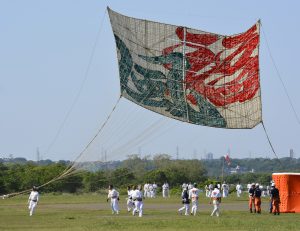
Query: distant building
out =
(209, 156)
(291, 153)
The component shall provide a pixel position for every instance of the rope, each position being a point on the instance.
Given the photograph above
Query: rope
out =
(69, 170)
(279, 76)
(80, 88)
(95, 136)
(273, 150)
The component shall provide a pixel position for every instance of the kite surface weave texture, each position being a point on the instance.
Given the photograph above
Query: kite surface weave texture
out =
(190, 75)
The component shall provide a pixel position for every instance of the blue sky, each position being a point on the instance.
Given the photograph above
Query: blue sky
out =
(45, 51)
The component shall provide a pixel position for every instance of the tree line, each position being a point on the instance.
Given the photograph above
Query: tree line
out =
(16, 176)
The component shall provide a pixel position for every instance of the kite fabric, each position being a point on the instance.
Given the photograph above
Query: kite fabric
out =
(190, 75)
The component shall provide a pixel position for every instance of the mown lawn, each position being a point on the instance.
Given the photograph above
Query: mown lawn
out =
(91, 212)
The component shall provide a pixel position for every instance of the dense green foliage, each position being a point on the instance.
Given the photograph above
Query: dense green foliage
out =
(21, 174)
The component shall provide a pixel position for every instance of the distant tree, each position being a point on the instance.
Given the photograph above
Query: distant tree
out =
(121, 176)
(93, 181)
(158, 176)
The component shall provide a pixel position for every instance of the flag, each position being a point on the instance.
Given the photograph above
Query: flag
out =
(227, 159)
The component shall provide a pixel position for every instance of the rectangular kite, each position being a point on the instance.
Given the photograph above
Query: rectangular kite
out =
(190, 75)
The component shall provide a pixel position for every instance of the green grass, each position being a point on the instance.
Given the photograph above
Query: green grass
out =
(91, 212)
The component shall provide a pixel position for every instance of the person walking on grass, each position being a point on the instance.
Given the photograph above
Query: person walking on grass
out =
(225, 189)
(257, 198)
(194, 196)
(216, 200)
(129, 201)
(239, 189)
(185, 202)
(165, 190)
(137, 197)
(251, 198)
(33, 200)
(275, 199)
(113, 195)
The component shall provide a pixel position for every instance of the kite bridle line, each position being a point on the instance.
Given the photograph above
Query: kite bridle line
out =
(279, 76)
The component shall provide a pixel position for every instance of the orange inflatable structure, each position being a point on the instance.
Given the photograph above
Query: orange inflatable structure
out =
(289, 189)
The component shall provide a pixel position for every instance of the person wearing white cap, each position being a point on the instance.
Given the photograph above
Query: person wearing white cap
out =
(194, 196)
(251, 198)
(33, 200)
(257, 198)
(275, 199)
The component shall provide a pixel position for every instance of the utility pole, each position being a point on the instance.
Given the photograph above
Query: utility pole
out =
(105, 159)
(140, 152)
(177, 152)
(37, 155)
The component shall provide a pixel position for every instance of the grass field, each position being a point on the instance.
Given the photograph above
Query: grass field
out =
(91, 212)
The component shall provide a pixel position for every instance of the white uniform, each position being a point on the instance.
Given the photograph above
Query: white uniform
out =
(113, 195)
(146, 190)
(238, 190)
(130, 203)
(154, 189)
(151, 192)
(165, 190)
(137, 197)
(194, 196)
(216, 196)
(225, 190)
(185, 201)
(32, 201)
(211, 188)
(207, 194)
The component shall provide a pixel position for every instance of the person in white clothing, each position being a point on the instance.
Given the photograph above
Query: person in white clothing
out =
(113, 195)
(185, 202)
(239, 189)
(130, 204)
(146, 189)
(151, 192)
(206, 190)
(216, 200)
(165, 190)
(137, 197)
(33, 200)
(190, 186)
(210, 188)
(194, 196)
(154, 189)
(225, 189)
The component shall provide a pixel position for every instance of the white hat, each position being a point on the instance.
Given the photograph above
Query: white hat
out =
(273, 184)
(257, 184)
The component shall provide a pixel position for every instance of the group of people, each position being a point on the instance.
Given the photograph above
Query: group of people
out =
(189, 197)
(134, 200)
(150, 190)
(224, 189)
(190, 194)
(255, 193)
